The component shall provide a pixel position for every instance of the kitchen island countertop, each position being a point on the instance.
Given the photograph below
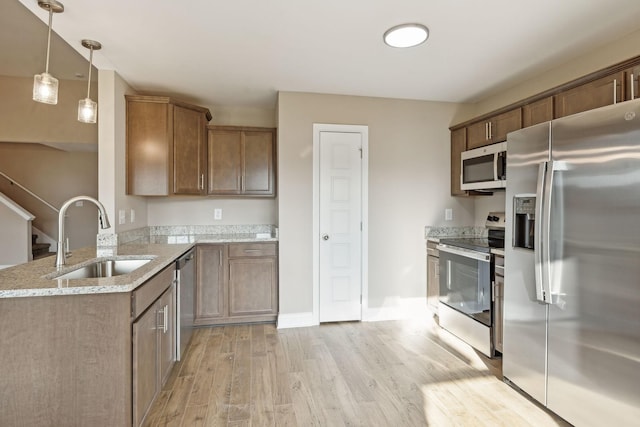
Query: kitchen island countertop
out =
(30, 279)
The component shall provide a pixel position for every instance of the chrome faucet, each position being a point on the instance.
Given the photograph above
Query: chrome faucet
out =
(104, 223)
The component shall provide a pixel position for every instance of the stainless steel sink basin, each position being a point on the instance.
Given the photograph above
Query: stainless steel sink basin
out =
(103, 268)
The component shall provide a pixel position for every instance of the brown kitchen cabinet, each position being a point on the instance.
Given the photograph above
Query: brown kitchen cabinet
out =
(597, 93)
(236, 283)
(537, 112)
(241, 161)
(631, 85)
(210, 284)
(433, 276)
(458, 145)
(153, 334)
(166, 146)
(493, 129)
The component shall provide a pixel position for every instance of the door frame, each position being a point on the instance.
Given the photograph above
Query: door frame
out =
(364, 132)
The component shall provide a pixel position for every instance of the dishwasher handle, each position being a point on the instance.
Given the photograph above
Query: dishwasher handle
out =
(184, 259)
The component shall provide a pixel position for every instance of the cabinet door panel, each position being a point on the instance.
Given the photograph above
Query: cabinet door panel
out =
(588, 96)
(631, 85)
(252, 286)
(477, 135)
(145, 374)
(504, 123)
(225, 162)
(188, 151)
(458, 145)
(537, 112)
(167, 333)
(210, 284)
(258, 162)
(147, 123)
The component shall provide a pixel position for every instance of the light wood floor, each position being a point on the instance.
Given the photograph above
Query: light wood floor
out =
(397, 373)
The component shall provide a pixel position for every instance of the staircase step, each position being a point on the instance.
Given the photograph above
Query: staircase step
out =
(39, 249)
(43, 255)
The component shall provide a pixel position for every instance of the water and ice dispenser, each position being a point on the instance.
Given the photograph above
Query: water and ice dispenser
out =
(524, 212)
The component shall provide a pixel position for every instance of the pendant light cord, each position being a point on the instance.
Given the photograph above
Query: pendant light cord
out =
(46, 67)
(89, 79)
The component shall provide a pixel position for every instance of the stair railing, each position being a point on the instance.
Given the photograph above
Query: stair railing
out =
(31, 193)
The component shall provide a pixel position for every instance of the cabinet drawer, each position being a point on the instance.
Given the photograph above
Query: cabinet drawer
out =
(151, 291)
(237, 250)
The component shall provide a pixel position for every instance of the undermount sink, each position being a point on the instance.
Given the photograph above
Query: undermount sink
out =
(104, 268)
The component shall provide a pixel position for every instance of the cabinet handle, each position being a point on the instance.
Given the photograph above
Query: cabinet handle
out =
(220, 257)
(253, 250)
(165, 327)
(242, 182)
(202, 181)
(633, 95)
(239, 183)
(490, 131)
(615, 94)
(486, 131)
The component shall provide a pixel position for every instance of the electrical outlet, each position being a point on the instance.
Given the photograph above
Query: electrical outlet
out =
(133, 216)
(448, 214)
(79, 203)
(217, 213)
(122, 216)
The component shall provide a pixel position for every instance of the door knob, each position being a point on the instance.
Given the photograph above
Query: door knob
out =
(325, 237)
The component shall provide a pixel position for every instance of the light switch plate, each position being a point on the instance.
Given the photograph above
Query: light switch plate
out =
(448, 214)
(122, 216)
(217, 213)
(133, 216)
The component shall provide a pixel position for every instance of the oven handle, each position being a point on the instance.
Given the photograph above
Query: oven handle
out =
(466, 253)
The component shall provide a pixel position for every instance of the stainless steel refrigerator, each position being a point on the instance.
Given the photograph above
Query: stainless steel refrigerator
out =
(572, 265)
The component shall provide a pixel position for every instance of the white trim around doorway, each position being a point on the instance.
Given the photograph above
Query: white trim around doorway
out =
(364, 131)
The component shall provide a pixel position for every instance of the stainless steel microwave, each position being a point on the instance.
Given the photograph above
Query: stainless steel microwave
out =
(484, 168)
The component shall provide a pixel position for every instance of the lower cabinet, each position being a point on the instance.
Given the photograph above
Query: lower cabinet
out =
(236, 283)
(153, 337)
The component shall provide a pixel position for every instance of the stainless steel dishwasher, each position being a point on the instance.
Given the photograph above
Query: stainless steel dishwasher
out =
(185, 289)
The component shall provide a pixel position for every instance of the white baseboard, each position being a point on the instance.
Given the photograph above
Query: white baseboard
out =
(296, 320)
(404, 308)
(5, 266)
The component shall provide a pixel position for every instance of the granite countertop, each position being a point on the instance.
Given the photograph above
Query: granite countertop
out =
(30, 279)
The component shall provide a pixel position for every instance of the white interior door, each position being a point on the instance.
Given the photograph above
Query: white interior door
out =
(340, 226)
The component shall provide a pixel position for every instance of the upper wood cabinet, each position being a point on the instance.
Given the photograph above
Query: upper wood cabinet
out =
(166, 146)
(597, 93)
(458, 145)
(631, 86)
(494, 129)
(241, 161)
(537, 112)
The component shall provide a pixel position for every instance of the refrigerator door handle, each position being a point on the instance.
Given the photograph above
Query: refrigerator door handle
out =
(542, 232)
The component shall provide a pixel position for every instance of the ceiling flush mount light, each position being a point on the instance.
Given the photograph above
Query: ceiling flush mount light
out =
(87, 108)
(45, 86)
(406, 35)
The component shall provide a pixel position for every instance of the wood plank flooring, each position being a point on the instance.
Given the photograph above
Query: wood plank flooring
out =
(396, 373)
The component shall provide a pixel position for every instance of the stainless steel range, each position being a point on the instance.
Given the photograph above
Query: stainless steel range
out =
(466, 294)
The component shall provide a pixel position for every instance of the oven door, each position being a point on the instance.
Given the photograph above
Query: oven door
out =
(465, 282)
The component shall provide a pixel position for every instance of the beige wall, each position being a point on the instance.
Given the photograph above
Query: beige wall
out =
(408, 189)
(112, 166)
(15, 239)
(55, 176)
(24, 120)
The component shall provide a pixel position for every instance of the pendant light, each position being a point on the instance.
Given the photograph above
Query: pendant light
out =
(45, 86)
(87, 108)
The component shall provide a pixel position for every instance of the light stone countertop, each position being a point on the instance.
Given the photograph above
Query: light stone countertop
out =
(28, 279)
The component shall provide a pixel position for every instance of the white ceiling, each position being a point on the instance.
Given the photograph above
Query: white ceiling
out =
(240, 53)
